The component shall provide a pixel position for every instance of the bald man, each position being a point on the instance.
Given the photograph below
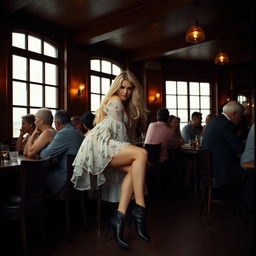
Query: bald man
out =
(221, 139)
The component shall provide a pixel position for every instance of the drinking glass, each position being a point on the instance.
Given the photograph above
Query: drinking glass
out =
(5, 152)
(13, 155)
(143, 136)
(197, 141)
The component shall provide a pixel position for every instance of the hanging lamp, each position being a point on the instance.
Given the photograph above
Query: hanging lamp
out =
(222, 58)
(195, 34)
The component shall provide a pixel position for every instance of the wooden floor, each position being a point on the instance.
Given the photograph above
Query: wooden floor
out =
(174, 226)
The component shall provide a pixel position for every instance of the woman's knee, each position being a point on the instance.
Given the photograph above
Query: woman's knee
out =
(141, 153)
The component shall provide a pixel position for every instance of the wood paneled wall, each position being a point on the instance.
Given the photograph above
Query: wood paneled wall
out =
(227, 81)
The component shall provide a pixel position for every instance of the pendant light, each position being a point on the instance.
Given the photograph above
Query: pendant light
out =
(195, 34)
(221, 58)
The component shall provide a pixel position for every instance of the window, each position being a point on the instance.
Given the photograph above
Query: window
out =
(103, 72)
(35, 76)
(184, 98)
(241, 99)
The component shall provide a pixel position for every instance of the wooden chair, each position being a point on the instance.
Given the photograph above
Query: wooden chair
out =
(98, 214)
(206, 181)
(153, 153)
(69, 194)
(152, 179)
(29, 202)
(210, 192)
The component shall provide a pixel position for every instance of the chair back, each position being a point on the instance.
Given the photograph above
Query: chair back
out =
(32, 177)
(205, 163)
(70, 168)
(153, 153)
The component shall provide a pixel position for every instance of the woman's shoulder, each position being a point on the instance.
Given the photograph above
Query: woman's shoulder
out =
(114, 98)
(50, 131)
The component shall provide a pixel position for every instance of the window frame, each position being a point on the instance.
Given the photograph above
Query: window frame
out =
(30, 55)
(101, 75)
(189, 109)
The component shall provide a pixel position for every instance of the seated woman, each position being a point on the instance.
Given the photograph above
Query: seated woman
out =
(184, 165)
(208, 118)
(26, 130)
(176, 138)
(42, 135)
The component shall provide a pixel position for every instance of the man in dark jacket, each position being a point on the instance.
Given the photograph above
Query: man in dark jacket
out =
(221, 139)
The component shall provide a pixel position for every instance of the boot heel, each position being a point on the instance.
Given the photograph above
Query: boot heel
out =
(139, 215)
(117, 225)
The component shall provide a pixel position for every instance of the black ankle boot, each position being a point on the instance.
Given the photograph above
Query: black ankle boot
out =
(139, 216)
(117, 224)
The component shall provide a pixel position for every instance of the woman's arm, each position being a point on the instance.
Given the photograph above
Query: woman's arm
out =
(21, 141)
(176, 141)
(35, 145)
(115, 108)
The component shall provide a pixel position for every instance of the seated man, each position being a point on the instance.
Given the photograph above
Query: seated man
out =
(192, 129)
(77, 123)
(66, 141)
(221, 139)
(169, 169)
(87, 120)
(160, 132)
(248, 154)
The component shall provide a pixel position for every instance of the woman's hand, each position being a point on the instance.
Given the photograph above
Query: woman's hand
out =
(22, 132)
(37, 131)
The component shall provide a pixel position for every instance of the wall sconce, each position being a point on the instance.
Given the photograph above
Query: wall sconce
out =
(157, 97)
(80, 90)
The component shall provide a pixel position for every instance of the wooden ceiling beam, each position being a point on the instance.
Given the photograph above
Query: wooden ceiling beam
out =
(13, 6)
(174, 45)
(104, 28)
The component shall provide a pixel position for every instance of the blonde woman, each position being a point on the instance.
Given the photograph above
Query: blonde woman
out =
(42, 135)
(107, 146)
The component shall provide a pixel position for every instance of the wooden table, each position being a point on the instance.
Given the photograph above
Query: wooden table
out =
(10, 174)
(188, 151)
(13, 166)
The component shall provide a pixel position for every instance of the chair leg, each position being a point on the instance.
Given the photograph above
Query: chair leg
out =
(98, 211)
(202, 202)
(209, 203)
(82, 205)
(67, 209)
(43, 229)
(23, 232)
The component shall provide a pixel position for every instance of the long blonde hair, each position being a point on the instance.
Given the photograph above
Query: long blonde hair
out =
(135, 104)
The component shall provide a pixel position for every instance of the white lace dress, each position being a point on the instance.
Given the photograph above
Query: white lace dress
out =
(97, 149)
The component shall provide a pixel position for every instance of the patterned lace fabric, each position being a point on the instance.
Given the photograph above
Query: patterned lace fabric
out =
(97, 149)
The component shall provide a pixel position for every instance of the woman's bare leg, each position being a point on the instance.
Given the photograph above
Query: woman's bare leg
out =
(126, 193)
(136, 158)
(133, 160)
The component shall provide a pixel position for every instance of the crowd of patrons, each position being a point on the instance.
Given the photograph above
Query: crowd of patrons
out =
(224, 135)
(229, 140)
(39, 137)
